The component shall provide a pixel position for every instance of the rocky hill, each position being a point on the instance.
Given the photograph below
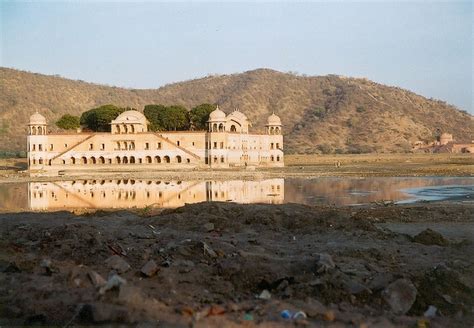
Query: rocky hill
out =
(320, 114)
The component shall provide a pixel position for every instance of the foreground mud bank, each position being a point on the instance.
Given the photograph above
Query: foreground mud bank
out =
(223, 264)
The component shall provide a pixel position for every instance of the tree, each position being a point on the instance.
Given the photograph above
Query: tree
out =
(68, 122)
(199, 115)
(98, 119)
(163, 118)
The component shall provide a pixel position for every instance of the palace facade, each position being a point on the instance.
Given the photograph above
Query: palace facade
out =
(130, 146)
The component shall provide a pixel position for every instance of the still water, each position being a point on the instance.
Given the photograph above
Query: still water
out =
(139, 193)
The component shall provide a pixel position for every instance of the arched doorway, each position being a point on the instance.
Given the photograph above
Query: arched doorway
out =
(166, 159)
(178, 159)
(157, 159)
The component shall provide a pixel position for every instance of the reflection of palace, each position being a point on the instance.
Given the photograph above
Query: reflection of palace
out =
(129, 145)
(128, 193)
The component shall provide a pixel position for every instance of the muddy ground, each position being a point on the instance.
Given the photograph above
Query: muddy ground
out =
(227, 265)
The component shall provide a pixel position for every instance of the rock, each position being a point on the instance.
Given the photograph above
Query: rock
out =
(324, 263)
(208, 251)
(329, 316)
(216, 310)
(209, 227)
(430, 237)
(117, 263)
(265, 295)
(150, 268)
(431, 312)
(380, 281)
(96, 279)
(113, 282)
(400, 295)
(47, 264)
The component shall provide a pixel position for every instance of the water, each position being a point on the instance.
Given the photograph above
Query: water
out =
(139, 193)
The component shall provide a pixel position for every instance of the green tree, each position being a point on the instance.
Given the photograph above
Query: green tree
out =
(98, 119)
(163, 118)
(199, 115)
(68, 122)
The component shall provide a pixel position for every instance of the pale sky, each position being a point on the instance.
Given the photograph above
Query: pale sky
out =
(423, 46)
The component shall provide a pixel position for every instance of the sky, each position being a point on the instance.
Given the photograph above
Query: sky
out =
(422, 46)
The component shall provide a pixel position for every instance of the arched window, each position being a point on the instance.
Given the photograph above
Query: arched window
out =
(101, 160)
(221, 127)
(277, 130)
(92, 160)
(132, 159)
(125, 129)
(233, 128)
(178, 159)
(278, 158)
(117, 127)
(118, 160)
(40, 130)
(222, 159)
(272, 158)
(73, 160)
(40, 161)
(148, 160)
(272, 130)
(214, 127)
(125, 160)
(49, 162)
(33, 130)
(132, 128)
(84, 160)
(34, 160)
(166, 159)
(118, 145)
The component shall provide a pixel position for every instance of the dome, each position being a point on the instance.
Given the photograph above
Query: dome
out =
(217, 115)
(131, 116)
(273, 120)
(237, 115)
(37, 118)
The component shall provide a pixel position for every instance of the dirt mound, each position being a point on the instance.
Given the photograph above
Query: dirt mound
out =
(222, 264)
(430, 237)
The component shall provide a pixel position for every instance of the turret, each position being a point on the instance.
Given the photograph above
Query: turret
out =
(37, 125)
(217, 120)
(273, 125)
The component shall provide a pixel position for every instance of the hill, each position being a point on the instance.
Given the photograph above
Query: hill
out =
(320, 114)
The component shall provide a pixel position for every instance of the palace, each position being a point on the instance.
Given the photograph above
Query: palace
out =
(130, 146)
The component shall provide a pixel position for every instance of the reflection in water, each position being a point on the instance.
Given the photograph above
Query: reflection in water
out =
(128, 193)
(352, 191)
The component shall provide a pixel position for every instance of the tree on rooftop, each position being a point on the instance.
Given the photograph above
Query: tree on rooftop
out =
(68, 122)
(167, 118)
(98, 119)
(199, 115)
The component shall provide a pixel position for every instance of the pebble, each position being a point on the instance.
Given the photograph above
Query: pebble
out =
(265, 295)
(431, 312)
(96, 279)
(150, 268)
(117, 263)
(113, 282)
(209, 227)
(400, 295)
(208, 250)
(324, 263)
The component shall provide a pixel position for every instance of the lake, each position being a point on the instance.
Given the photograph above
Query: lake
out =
(140, 193)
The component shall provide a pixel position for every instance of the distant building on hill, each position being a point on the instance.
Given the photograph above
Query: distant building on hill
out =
(129, 145)
(445, 143)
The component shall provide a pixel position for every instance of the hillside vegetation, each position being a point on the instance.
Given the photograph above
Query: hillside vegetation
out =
(320, 114)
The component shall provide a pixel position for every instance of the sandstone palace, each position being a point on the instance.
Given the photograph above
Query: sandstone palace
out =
(130, 146)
